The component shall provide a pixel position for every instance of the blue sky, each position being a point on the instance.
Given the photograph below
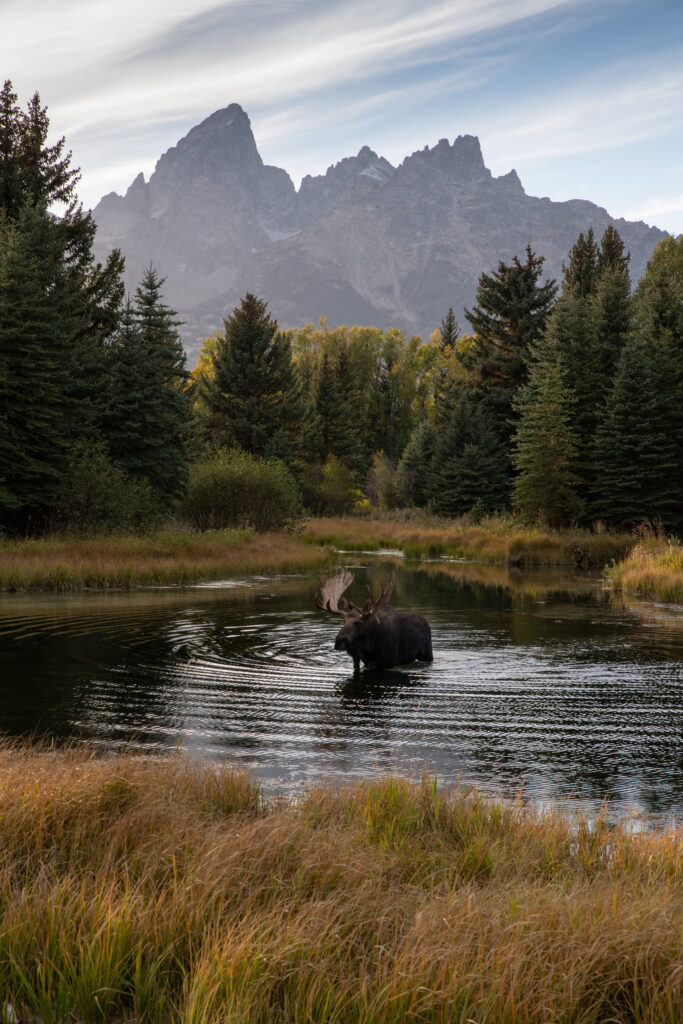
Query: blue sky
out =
(584, 99)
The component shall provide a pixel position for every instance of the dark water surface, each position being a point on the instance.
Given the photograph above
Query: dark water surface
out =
(545, 685)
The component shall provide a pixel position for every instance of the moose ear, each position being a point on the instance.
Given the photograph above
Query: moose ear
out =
(367, 607)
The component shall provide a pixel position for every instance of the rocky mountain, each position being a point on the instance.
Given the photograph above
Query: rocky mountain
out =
(364, 243)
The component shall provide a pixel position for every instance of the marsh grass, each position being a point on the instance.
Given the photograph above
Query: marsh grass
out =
(496, 539)
(157, 890)
(652, 571)
(164, 558)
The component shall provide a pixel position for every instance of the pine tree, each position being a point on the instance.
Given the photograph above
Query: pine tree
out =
(509, 318)
(34, 367)
(634, 453)
(160, 454)
(450, 330)
(252, 399)
(581, 272)
(470, 468)
(414, 472)
(611, 255)
(545, 447)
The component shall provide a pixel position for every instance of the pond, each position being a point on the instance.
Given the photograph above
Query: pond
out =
(537, 682)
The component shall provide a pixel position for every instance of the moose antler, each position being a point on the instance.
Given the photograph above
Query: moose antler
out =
(371, 606)
(329, 596)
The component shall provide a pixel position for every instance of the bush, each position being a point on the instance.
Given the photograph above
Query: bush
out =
(382, 482)
(233, 488)
(338, 492)
(97, 496)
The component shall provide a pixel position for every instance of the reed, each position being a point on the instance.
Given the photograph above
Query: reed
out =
(496, 539)
(58, 564)
(653, 571)
(153, 890)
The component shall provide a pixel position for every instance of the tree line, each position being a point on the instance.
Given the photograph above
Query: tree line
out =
(563, 402)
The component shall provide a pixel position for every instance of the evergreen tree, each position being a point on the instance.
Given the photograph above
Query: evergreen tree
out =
(509, 318)
(581, 272)
(450, 330)
(252, 399)
(470, 468)
(149, 372)
(611, 255)
(414, 471)
(545, 447)
(34, 366)
(658, 316)
(633, 450)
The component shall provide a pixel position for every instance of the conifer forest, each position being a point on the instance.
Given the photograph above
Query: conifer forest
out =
(558, 401)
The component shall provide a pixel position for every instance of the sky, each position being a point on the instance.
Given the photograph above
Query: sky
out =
(583, 98)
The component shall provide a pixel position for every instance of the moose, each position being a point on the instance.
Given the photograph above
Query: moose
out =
(375, 634)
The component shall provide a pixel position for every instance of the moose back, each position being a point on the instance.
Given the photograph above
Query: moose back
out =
(376, 634)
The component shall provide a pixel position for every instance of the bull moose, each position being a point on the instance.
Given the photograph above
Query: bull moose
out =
(375, 634)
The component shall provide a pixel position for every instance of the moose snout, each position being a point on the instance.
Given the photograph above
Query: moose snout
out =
(340, 642)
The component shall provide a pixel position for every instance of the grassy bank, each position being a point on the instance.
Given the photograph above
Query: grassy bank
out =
(653, 571)
(496, 539)
(150, 890)
(164, 558)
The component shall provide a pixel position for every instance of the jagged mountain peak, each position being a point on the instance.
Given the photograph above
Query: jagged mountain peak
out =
(363, 243)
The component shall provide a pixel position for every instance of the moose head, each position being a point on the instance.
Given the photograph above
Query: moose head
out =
(375, 634)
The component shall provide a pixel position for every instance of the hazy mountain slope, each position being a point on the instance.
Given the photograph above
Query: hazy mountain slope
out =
(363, 243)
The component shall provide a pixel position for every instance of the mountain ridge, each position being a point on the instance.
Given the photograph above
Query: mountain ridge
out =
(366, 242)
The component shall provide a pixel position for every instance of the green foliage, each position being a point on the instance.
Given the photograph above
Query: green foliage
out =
(470, 468)
(251, 397)
(236, 488)
(146, 420)
(450, 330)
(338, 491)
(510, 316)
(383, 489)
(580, 273)
(636, 455)
(545, 447)
(413, 476)
(97, 496)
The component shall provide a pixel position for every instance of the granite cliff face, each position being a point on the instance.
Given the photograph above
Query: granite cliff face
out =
(364, 243)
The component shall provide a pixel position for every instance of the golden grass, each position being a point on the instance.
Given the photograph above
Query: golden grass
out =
(165, 558)
(495, 539)
(652, 571)
(154, 890)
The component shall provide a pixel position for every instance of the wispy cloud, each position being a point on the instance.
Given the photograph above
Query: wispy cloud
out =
(615, 108)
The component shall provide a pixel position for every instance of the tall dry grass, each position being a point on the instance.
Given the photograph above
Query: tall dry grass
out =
(495, 539)
(55, 563)
(653, 570)
(154, 890)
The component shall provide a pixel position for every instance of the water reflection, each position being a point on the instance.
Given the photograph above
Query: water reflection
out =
(537, 681)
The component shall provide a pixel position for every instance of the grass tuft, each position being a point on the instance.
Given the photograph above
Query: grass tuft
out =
(155, 889)
(166, 558)
(495, 539)
(653, 570)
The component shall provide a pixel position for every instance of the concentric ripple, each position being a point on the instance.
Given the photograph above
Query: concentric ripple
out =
(564, 696)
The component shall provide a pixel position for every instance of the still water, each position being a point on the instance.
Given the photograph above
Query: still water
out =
(537, 681)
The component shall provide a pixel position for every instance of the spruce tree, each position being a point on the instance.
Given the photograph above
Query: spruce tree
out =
(509, 318)
(34, 367)
(450, 330)
(633, 450)
(581, 272)
(414, 471)
(158, 450)
(545, 447)
(470, 467)
(252, 399)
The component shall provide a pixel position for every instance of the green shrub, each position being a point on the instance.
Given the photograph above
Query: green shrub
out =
(383, 486)
(97, 496)
(234, 488)
(338, 491)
